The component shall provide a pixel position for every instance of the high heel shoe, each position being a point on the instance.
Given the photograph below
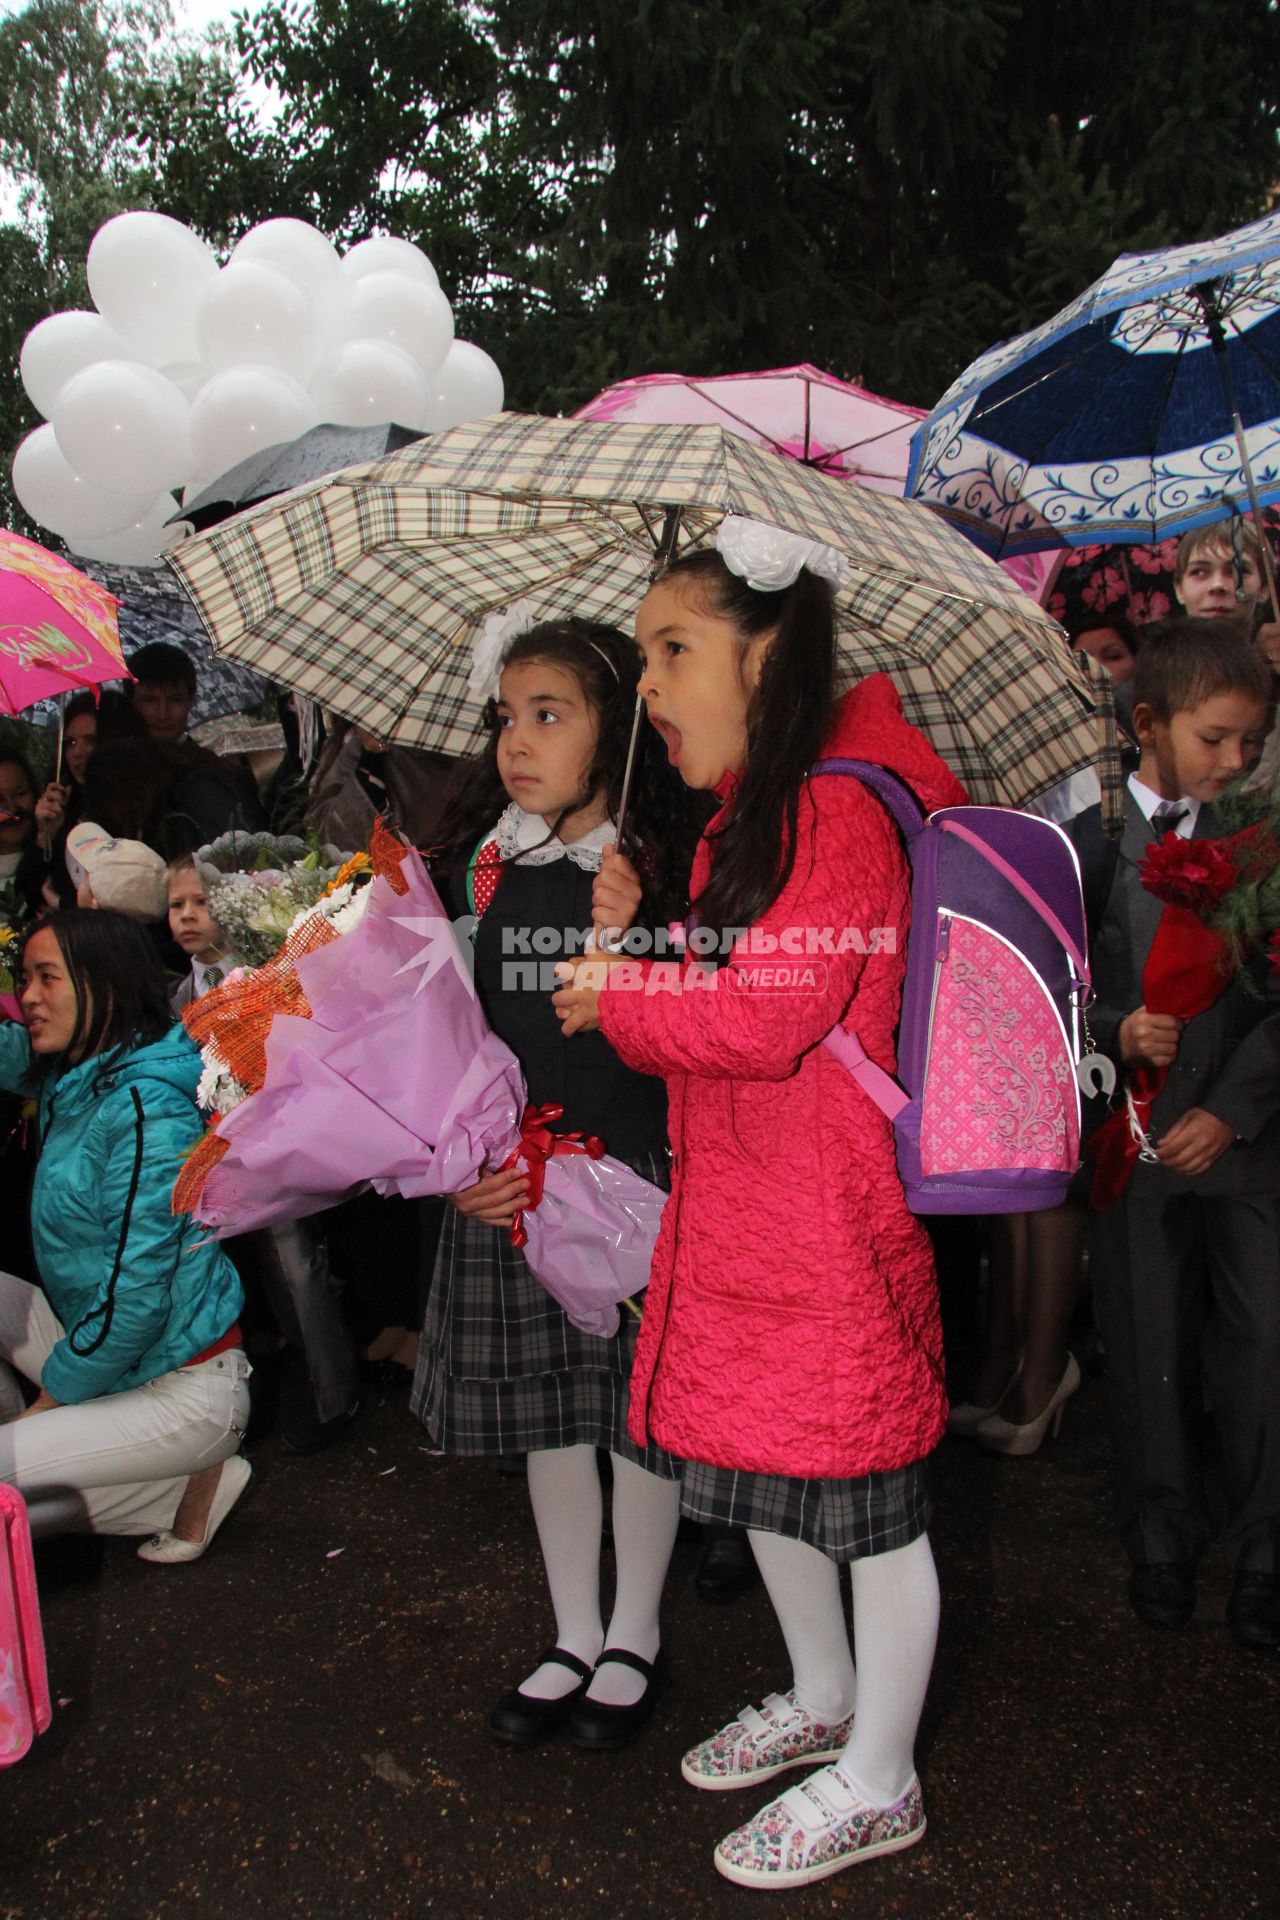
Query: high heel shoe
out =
(1001, 1436)
(963, 1421)
(168, 1549)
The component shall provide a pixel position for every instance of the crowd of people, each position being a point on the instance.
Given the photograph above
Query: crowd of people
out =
(781, 1382)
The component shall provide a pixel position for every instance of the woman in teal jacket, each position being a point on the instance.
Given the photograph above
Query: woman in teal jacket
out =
(133, 1343)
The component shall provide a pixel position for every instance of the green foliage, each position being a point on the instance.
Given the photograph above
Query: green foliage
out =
(616, 187)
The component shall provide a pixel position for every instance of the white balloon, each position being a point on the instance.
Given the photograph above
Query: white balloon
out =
(367, 382)
(300, 249)
(188, 376)
(125, 427)
(139, 545)
(62, 345)
(405, 313)
(257, 315)
(57, 497)
(385, 255)
(244, 409)
(333, 322)
(146, 275)
(467, 387)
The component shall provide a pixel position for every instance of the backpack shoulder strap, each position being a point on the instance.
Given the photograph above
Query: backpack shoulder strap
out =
(894, 794)
(905, 810)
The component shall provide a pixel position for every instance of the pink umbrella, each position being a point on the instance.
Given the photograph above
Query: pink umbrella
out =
(57, 627)
(801, 411)
(825, 422)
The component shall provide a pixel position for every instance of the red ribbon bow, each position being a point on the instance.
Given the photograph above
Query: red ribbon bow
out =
(538, 1145)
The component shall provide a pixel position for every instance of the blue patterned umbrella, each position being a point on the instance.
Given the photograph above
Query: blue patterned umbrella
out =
(1149, 406)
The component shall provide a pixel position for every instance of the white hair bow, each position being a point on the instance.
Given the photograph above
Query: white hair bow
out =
(769, 558)
(493, 636)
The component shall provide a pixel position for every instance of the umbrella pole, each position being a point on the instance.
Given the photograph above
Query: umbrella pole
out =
(665, 551)
(1218, 341)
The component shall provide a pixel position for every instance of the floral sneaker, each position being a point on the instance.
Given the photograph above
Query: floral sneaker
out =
(778, 1735)
(816, 1829)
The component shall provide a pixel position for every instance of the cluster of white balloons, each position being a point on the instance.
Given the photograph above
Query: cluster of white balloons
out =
(187, 367)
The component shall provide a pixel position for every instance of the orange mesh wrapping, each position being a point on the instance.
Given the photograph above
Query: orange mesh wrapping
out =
(387, 852)
(237, 1015)
(196, 1168)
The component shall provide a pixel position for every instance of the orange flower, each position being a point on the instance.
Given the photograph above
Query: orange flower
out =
(349, 870)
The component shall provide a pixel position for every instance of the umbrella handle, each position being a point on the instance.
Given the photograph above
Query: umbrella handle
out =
(1217, 340)
(665, 547)
(621, 823)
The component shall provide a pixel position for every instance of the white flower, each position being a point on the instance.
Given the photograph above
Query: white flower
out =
(218, 1090)
(352, 911)
(769, 558)
(495, 634)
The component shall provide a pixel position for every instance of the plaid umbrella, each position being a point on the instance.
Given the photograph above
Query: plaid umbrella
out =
(363, 590)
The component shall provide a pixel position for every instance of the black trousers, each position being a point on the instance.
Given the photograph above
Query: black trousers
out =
(1187, 1293)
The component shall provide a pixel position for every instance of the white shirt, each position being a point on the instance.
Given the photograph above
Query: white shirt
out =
(200, 970)
(1148, 799)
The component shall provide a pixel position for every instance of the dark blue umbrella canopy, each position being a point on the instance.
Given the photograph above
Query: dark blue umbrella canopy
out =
(291, 463)
(1114, 420)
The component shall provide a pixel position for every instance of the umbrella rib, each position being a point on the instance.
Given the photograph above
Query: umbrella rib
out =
(1248, 344)
(493, 606)
(740, 418)
(752, 426)
(1034, 462)
(1175, 361)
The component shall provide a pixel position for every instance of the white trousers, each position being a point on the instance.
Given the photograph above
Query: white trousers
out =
(118, 1464)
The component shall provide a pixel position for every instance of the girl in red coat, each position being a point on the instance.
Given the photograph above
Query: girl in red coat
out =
(791, 1352)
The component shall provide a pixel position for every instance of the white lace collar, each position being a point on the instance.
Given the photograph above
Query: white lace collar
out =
(522, 841)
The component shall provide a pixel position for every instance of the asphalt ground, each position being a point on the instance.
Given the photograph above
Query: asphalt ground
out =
(295, 1725)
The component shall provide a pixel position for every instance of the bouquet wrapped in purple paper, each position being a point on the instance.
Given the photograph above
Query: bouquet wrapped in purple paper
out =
(375, 1067)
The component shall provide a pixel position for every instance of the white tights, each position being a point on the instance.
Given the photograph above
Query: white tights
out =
(568, 1510)
(895, 1629)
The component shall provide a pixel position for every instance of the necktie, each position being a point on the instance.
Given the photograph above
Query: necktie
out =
(1167, 815)
(212, 978)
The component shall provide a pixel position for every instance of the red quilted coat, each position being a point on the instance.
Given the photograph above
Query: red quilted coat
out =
(791, 1323)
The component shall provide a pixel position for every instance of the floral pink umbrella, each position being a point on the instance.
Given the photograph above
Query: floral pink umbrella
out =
(810, 415)
(57, 628)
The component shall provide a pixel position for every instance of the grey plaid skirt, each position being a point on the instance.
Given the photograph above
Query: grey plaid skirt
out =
(845, 1519)
(502, 1370)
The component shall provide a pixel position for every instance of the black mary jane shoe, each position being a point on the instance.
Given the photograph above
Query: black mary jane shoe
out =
(601, 1727)
(522, 1719)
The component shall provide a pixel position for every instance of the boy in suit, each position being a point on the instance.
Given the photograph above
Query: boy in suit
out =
(1186, 1265)
(195, 930)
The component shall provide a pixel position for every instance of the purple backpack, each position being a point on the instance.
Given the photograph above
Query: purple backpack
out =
(987, 1115)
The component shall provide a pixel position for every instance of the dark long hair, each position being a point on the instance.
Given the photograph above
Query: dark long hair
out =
(663, 819)
(787, 719)
(122, 994)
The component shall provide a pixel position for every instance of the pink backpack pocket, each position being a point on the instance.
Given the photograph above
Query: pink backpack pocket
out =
(25, 1708)
(1000, 1088)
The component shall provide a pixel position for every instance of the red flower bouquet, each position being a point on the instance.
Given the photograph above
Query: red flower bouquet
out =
(1221, 899)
